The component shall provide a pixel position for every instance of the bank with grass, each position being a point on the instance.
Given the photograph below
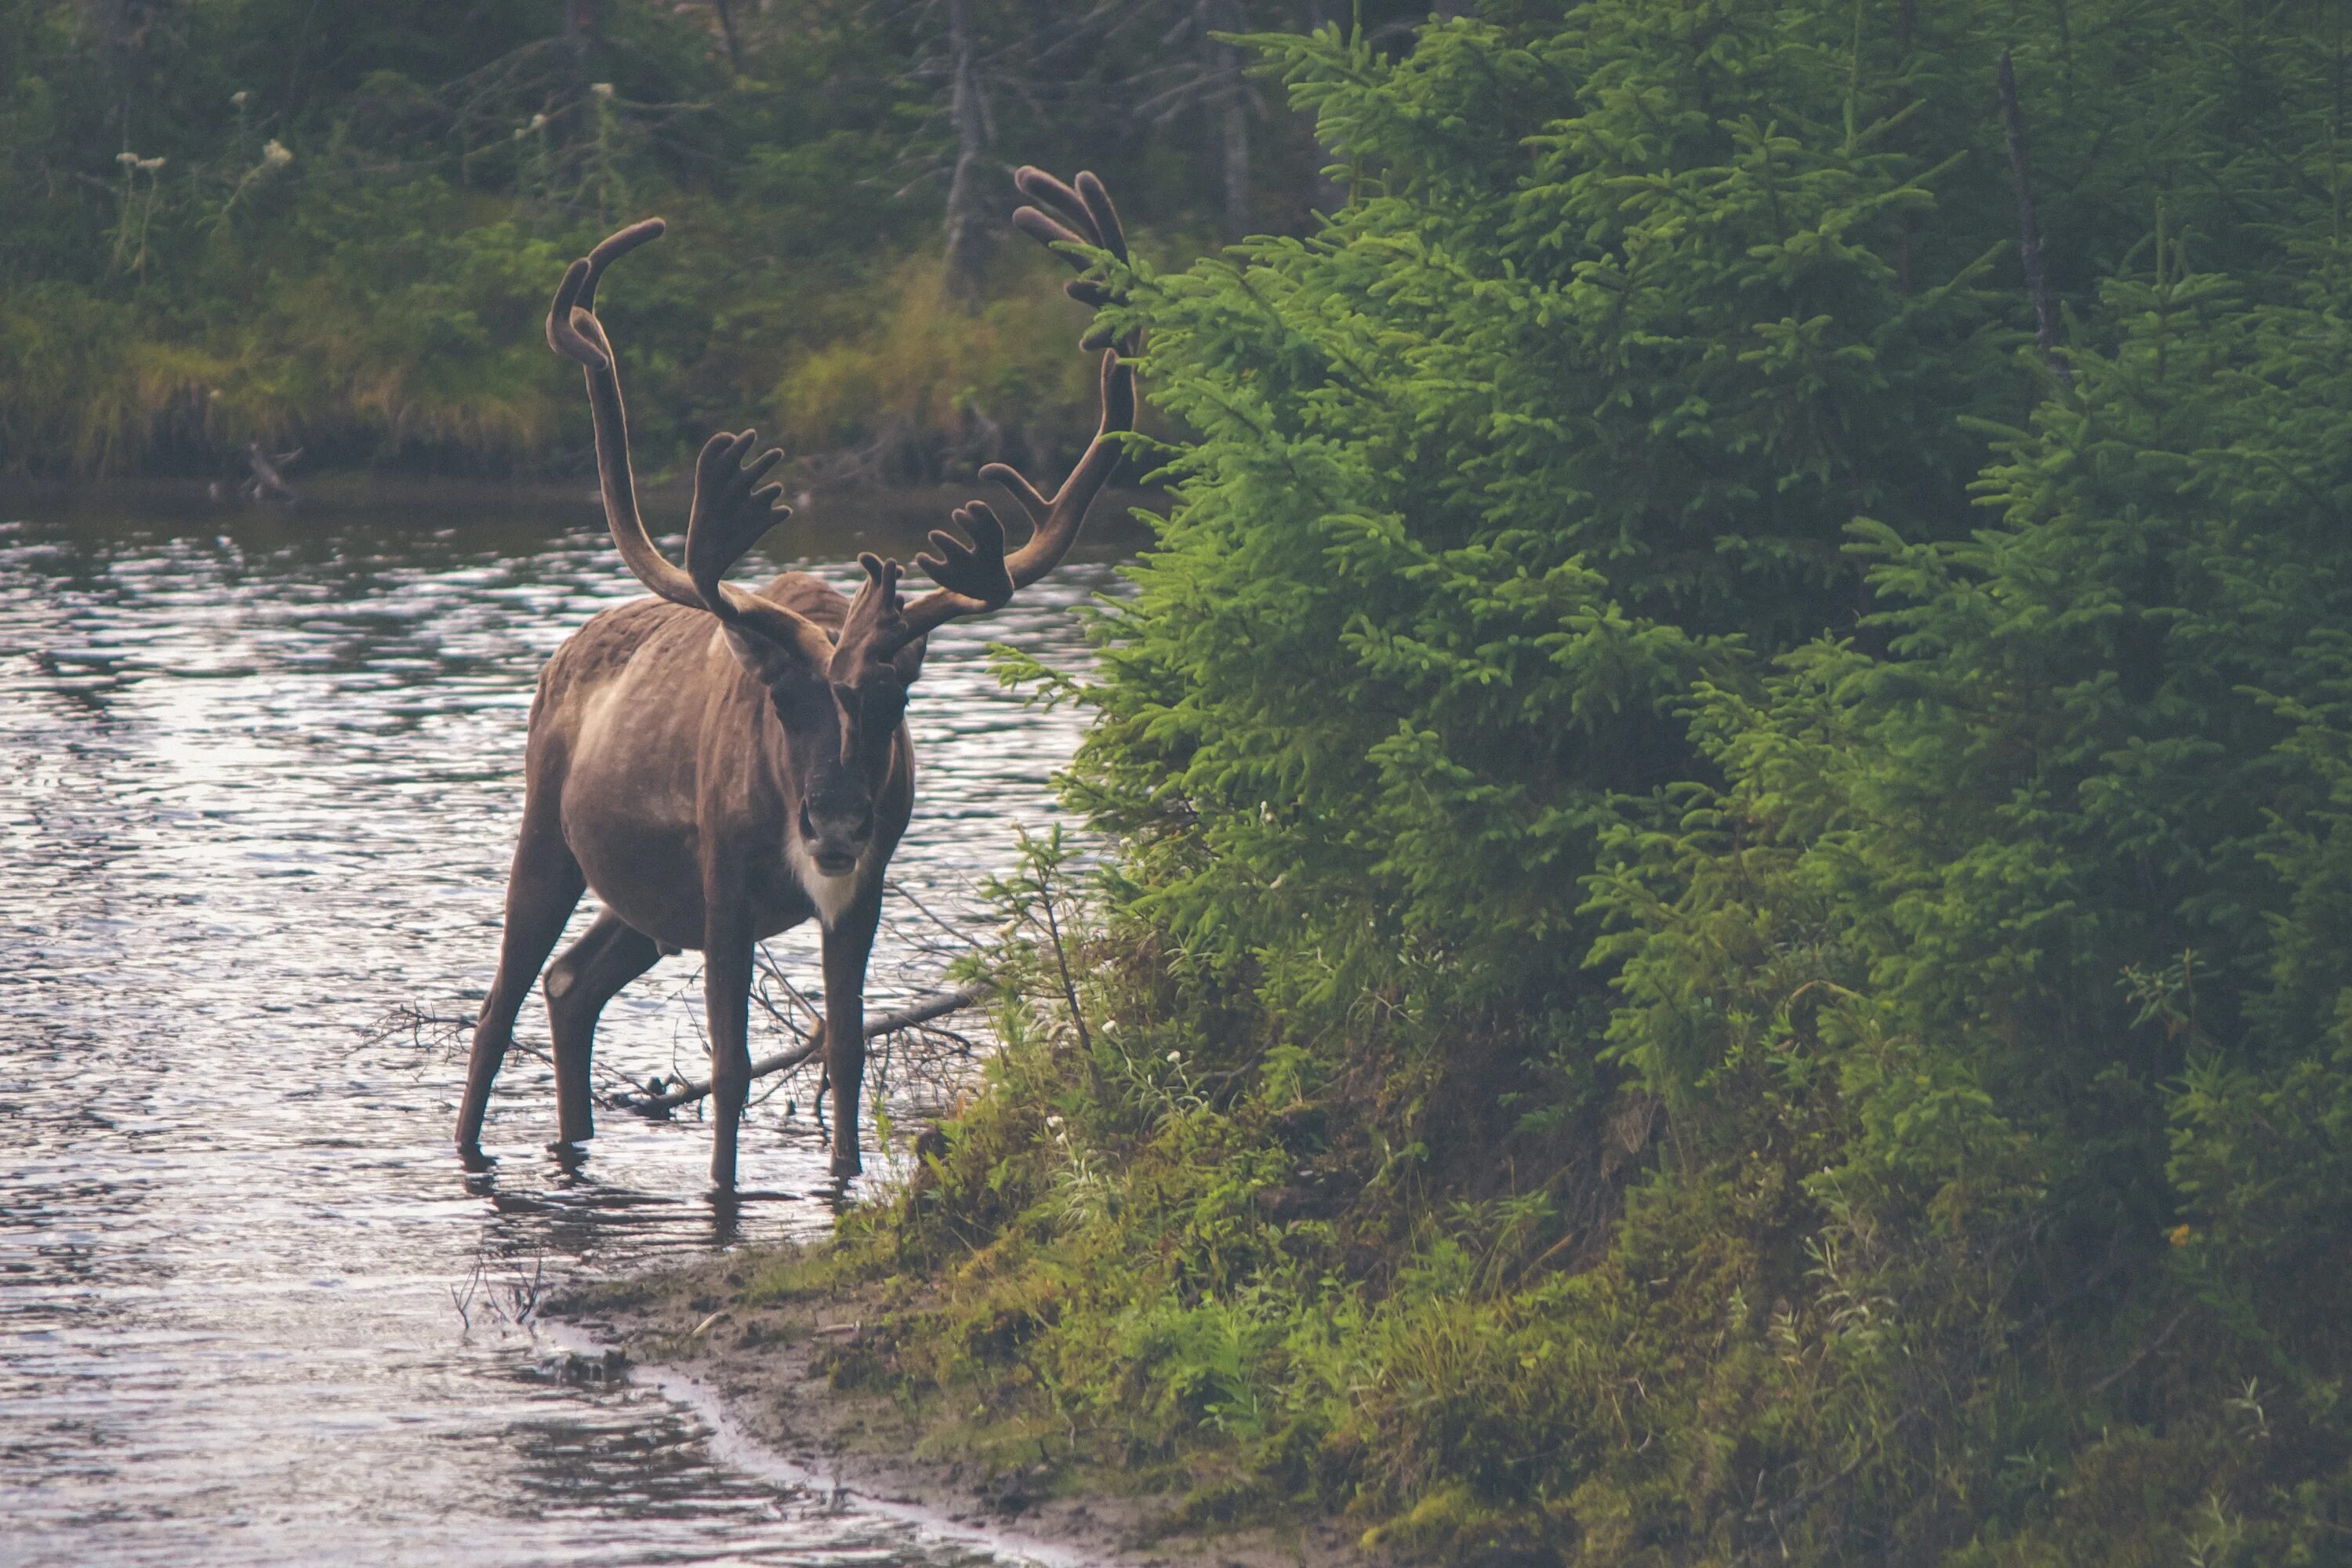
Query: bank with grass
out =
(1722, 935)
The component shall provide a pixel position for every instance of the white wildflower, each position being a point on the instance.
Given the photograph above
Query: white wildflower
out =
(274, 152)
(1175, 1056)
(128, 160)
(240, 98)
(601, 89)
(539, 122)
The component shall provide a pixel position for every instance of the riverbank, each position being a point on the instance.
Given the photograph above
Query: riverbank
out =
(802, 1375)
(832, 523)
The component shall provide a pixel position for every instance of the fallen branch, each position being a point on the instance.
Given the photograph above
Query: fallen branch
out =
(2140, 1354)
(685, 1091)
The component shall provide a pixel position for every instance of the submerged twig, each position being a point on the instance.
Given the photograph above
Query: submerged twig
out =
(687, 1092)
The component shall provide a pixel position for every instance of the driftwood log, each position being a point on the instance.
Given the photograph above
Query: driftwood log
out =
(268, 480)
(685, 1091)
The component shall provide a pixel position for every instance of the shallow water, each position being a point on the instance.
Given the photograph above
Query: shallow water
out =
(259, 780)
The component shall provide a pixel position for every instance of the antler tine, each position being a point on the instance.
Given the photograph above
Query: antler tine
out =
(972, 580)
(728, 516)
(977, 570)
(1109, 233)
(614, 247)
(1080, 214)
(564, 334)
(567, 334)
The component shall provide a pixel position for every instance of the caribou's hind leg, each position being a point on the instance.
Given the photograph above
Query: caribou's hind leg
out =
(590, 972)
(541, 889)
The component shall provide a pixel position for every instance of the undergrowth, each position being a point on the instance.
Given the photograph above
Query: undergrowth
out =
(1721, 936)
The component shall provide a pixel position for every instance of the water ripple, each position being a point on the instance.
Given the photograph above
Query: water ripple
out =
(257, 786)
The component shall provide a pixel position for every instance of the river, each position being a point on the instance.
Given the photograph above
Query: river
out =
(260, 775)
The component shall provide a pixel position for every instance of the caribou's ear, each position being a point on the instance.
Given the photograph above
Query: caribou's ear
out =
(764, 660)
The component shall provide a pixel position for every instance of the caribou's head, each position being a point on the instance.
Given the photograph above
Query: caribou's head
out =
(841, 696)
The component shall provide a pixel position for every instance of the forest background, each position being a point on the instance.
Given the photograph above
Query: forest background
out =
(1725, 903)
(335, 226)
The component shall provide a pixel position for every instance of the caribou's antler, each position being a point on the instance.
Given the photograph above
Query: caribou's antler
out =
(732, 510)
(1086, 218)
(976, 578)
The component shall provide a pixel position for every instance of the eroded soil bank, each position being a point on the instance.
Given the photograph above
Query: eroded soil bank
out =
(797, 1376)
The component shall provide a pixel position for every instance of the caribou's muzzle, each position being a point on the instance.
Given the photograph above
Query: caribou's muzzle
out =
(836, 833)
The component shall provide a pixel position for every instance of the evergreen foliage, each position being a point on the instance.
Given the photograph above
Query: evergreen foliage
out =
(1729, 935)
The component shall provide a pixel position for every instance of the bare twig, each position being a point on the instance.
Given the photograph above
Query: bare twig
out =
(687, 1092)
(2140, 1354)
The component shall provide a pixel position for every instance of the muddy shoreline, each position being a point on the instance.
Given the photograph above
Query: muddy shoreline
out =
(760, 1371)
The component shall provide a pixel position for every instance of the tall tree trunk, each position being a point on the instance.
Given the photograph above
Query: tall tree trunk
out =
(726, 9)
(580, 18)
(1328, 195)
(1236, 146)
(1232, 109)
(970, 237)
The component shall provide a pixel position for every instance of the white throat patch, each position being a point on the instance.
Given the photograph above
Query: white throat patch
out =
(831, 895)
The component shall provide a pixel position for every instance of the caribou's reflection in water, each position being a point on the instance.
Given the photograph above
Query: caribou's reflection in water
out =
(256, 793)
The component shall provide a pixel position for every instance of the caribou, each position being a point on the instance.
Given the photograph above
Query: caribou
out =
(719, 763)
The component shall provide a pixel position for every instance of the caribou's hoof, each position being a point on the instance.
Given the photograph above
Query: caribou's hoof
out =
(471, 1157)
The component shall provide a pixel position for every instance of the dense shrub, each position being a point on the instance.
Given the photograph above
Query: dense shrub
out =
(1727, 936)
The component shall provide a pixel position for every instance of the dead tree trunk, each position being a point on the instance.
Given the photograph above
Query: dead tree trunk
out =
(1329, 195)
(2029, 231)
(726, 9)
(1230, 104)
(969, 238)
(1236, 145)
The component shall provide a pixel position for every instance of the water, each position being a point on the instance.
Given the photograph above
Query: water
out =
(260, 775)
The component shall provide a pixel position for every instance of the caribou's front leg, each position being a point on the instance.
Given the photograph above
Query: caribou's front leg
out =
(726, 999)
(848, 946)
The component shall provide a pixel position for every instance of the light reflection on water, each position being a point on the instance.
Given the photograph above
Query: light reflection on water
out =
(258, 782)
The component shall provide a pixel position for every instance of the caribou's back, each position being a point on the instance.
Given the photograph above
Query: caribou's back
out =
(652, 733)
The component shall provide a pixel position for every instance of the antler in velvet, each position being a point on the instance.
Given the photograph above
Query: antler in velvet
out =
(729, 514)
(980, 577)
